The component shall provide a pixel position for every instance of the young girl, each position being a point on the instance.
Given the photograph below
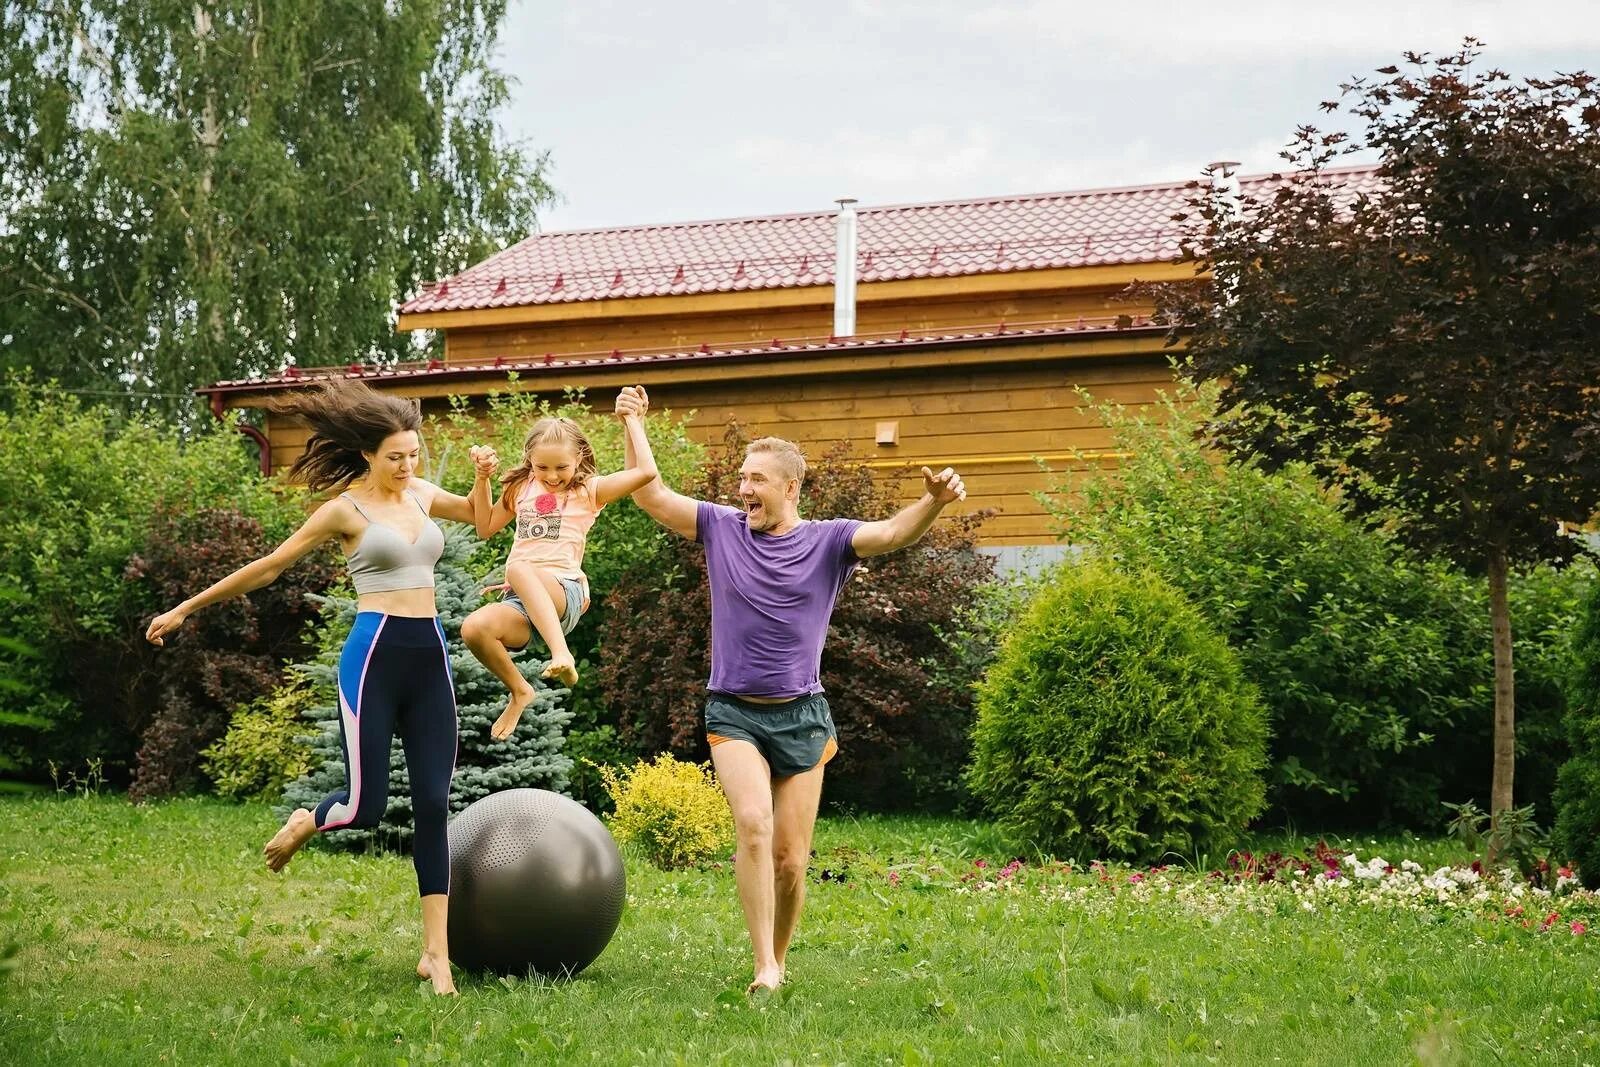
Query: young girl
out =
(553, 495)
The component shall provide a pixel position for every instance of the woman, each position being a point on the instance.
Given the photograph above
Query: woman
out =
(394, 672)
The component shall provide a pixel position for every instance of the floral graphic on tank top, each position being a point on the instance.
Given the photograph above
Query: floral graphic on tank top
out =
(539, 519)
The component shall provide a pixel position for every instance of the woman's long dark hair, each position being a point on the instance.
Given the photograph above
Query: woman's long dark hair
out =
(346, 419)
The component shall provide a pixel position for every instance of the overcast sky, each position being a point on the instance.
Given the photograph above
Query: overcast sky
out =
(688, 110)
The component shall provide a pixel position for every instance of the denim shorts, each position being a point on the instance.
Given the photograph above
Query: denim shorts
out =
(569, 618)
(793, 736)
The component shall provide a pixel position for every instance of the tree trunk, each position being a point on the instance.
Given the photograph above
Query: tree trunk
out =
(1505, 722)
(210, 141)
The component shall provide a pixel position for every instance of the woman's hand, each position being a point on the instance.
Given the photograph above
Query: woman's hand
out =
(484, 460)
(164, 624)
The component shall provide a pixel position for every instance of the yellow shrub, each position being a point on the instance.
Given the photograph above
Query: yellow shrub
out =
(672, 811)
(262, 751)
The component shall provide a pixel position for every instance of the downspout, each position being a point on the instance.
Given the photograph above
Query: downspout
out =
(263, 445)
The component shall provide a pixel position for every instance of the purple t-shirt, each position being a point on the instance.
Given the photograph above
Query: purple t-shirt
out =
(770, 600)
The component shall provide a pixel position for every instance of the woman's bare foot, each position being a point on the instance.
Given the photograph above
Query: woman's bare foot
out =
(563, 670)
(297, 830)
(436, 969)
(767, 980)
(506, 724)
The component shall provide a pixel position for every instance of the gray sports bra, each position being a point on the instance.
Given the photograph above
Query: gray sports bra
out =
(384, 560)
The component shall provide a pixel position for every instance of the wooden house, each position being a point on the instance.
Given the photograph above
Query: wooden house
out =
(962, 341)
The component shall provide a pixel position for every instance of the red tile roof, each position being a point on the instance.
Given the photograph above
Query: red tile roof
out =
(1031, 232)
(991, 334)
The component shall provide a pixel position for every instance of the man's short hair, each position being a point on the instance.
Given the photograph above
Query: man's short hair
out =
(791, 461)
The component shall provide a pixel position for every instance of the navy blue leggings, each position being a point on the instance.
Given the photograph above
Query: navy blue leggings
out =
(394, 674)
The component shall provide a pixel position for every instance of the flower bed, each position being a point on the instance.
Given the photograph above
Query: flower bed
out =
(1552, 901)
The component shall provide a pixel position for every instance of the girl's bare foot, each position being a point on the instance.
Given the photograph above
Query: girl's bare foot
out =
(506, 724)
(767, 980)
(563, 670)
(297, 830)
(436, 969)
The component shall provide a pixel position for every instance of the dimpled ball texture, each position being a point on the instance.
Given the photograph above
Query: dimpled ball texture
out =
(536, 884)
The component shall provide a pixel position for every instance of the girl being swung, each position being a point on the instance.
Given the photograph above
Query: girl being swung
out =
(553, 495)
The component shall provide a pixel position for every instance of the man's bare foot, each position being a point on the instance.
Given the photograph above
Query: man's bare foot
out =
(563, 670)
(506, 724)
(436, 969)
(297, 830)
(767, 980)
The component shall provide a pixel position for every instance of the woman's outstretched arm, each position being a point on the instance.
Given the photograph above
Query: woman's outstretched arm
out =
(327, 521)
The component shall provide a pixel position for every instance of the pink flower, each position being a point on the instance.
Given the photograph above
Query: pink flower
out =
(1549, 921)
(544, 503)
(1578, 928)
(1564, 872)
(1135, 878)
(979, 863)
(894, 877)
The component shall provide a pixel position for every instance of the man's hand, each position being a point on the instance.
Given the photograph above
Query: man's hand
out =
(484, 460)
(632, 401)
(945, 487)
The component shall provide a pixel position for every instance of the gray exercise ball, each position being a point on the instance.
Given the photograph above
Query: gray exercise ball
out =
(536, 883)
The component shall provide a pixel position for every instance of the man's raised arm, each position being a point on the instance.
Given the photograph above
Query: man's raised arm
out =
(675, 511)
(908, 524)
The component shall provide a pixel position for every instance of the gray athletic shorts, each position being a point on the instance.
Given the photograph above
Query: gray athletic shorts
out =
(793, 736)
(569, 618)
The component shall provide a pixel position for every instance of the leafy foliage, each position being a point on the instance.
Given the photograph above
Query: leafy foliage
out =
(93, 492)
(259, 754)
(178, 699)
(1429, 344)
(1372, 663)
(902, 721)
(672, 811)
(1116, 723)
(193, 190)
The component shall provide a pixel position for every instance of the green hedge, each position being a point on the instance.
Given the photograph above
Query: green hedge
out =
(1577, 828)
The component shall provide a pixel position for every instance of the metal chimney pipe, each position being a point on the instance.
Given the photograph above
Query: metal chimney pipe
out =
(844, 270)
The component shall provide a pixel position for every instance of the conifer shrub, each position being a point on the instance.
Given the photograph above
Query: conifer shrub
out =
(1116, 723)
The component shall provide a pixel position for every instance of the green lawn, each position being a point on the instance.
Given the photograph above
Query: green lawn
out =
(153, 934)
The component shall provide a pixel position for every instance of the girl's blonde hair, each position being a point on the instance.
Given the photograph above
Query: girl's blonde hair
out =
(553, 431)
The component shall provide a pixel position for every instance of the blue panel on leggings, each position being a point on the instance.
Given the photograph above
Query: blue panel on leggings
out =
(357, 651)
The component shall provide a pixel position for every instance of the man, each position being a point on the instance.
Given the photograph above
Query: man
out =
(774, 578)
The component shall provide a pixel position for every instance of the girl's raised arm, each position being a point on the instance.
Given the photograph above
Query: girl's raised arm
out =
(641, 468)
